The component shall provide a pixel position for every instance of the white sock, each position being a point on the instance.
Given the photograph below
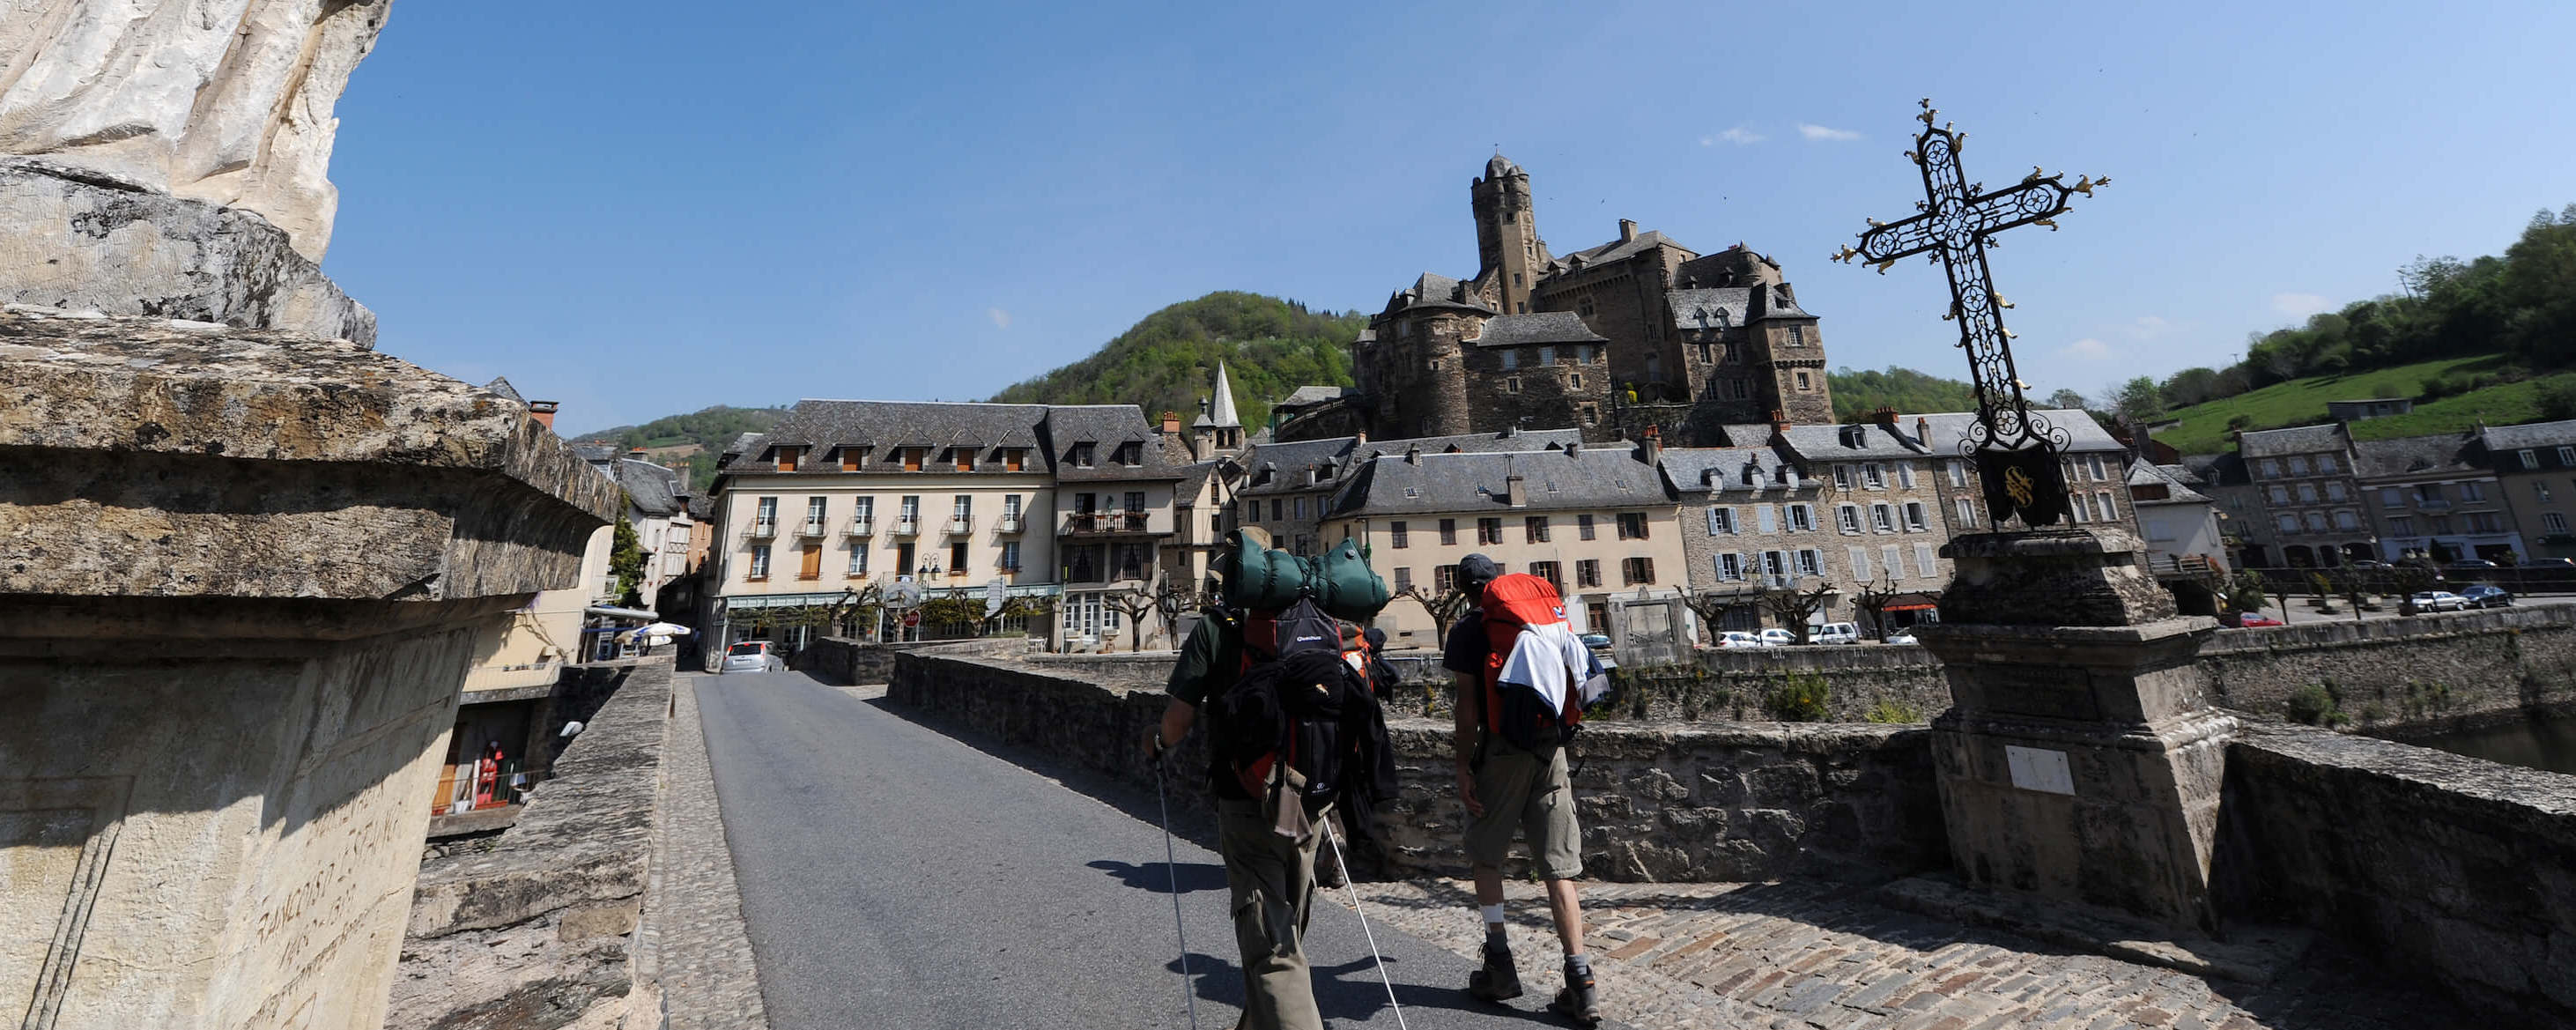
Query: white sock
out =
(1493, 919)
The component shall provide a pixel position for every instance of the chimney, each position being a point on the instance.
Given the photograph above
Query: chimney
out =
(1359, 438)
(1171, 423)
(1627, 230)
(1779, 421)
(1885, 416)
(1923, 430)
(636, 453)
(543, 412)
(1413, 454)
(1574, 448)
(1516, 491)
(1652, 444)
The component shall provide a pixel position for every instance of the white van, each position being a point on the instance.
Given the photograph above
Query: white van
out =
(1834, 633)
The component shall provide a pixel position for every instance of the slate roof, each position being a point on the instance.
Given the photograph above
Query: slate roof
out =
(748, 444)
(2270, 443)
(1774, 302)
(1863, 440)
(1224, 402)
(886, 425)
(1479, 443)
(1713, 308)
(2083, 435)
(1542, 327)
(2218, 470)
(1310, 395)
(2530, 435)
(2436, 455)
(1694, 469)
(1286, 464)
(1478, 483)
(1434, 290)
(2147, 473)
(1615, 250)
(651, 488)
(1106, 427)
(1290, 462)
(501, 385)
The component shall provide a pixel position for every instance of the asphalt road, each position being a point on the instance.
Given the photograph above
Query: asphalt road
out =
(895, 877)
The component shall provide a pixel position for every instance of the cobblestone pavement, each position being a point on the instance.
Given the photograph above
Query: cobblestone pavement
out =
(1819, 955)
(709, 981)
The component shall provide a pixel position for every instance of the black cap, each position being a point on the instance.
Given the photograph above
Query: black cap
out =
(1476, 570)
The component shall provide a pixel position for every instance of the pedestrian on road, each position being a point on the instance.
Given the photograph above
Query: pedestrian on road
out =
(1506, 788)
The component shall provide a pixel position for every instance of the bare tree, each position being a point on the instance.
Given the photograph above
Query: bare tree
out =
(1445, 606)
(1172, 602)
(1135, 603)
(1872, 600)
(1711, 608)
(1793, 607)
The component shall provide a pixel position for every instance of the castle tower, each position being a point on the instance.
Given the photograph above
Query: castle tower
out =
(1786, 344)
(1507, 246)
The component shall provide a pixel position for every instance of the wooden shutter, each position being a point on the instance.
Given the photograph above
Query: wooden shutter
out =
(810, 562)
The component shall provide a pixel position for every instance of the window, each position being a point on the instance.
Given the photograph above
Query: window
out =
(1444, 578)
(1730, 567)
(1575, 380)
(2298, 464)
(912, 457)
(903, 559)
(2567, 456)
(1587, 573)
(2307, 493)
(1765, 519)
(2334, 490)
(1811, 562)
(787, 458)
(2075, 506)
(1011, 508)
(1534, 529)
(1958, 472)
(1859, 558)
(1894, 559)
(1635, 571)
(962, 508)
(1798, 336)
(1914, 520)
(1804, 383)
(2271, 468)
(1403, 579)
(2401, 526)
(1448, 532)
(2325, 463)
(2105, 509)
(759, 561)
(957, 558)
(2441, 525)
(1802, 518)
(1489, 531)
(858, 565)
(2280, 494)
(1297, 507)
(1015, 459)
(1775, 568)
(1967, 513)
(1905, 474)
(1632, 525)
(1583, 526)
(1584, 306)
(2392, 497)
(963, 458)
(1842, 477)
(1882, 518)
(1923, 556)
(2289, 523)
(911, 513)
(1721, 521)
(1847, 518)
(852, 458)
(1081, 455)
(2468, 492)
(1511, 384)
(2484, 522)
(1875, 475)
(1547, 570)
(2345, 520)
(2094, 463)
(2553, 522)
(809, 562)
(1278, 511)
(764, 517)
(2539, 490)
(1591, 413)
(2317, 522)
(1511, 358)
(1396, 536)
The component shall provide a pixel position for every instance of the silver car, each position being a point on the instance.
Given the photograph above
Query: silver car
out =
(752, 656)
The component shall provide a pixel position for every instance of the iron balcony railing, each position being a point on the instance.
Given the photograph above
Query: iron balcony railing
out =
(907, 527)
(1008, 524)
(763, 529)
(961, 525)
(810, 527)
(1105, 522)
(862, 527)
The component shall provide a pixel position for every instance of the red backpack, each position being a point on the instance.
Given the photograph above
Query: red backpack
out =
(1515, 711)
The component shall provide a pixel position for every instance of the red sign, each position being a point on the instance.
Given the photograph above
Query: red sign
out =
(911, 620)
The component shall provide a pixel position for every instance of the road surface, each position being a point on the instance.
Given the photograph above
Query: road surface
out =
(895, 877)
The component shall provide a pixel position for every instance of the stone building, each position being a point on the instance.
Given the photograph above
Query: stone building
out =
(1599, 522)
(2535, 468)
(1751, 522)
(2178, 522)
(2243, 526)
(2435, 497)
(1287, 488)
(657, 508)
(2309, 493)
(1659, 334)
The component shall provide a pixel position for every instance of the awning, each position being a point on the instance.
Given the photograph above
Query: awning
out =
(1921, 607)
(622, 613)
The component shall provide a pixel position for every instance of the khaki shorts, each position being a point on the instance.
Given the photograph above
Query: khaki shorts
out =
(1520, 792)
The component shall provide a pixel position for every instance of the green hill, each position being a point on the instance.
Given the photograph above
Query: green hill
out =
(1270, 347)
(697, 436)
(1857, 393)
(2452, 394)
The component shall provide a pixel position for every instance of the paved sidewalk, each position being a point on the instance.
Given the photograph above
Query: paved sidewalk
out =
(709, 980)
(1821, 955)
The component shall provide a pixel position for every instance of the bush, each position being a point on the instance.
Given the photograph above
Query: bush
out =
(2317, 705)
(1889, 710)
(1798, 697)
(2558, 398)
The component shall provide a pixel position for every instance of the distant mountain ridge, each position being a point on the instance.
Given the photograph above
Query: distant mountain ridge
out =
(696, 437)
(1164, 362)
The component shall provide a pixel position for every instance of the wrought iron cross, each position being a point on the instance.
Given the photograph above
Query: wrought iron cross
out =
(2016, 449)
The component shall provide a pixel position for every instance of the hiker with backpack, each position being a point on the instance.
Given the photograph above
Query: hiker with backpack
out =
(1292, 730)
(1523, 679)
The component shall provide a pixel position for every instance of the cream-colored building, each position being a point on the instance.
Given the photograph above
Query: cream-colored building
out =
(1597, 522)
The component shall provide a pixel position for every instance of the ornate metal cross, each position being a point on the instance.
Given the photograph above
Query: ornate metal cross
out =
(2015, 449)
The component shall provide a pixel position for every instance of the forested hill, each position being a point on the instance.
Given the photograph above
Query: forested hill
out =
(1270, 347)
(695, 438)
(1856, 394)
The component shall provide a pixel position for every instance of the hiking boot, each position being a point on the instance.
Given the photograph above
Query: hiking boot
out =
(1499, 981)
(1580, 1001)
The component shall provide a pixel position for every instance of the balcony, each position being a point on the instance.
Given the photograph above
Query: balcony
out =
(1009, 524)
(861, 527)
(810, 527)
(763, 530)
(961, 525)
(907, 527)
(1110, 523)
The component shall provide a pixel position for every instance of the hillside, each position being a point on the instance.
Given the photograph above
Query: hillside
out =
(2452, 394)
(1857, 393)
(696, 437)
(1270, 347)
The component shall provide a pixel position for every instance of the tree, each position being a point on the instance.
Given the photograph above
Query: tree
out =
(2245, 592)
(1711, 609)
(1134, 602)
(1793, 607)
(2068, 399)
(2558, 399)
(2138, 400)
(1445, 606)
(2354, 586)
(1872, 600)
(2190, 386)
(626, 560)
(1172, 602)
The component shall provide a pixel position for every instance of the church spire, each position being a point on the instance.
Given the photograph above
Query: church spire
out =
(1224, 406)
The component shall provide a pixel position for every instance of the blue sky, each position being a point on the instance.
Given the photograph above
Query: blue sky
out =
(648, 207)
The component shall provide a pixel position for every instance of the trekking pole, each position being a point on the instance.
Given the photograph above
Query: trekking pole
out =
(1172, 865)
(1353, 883)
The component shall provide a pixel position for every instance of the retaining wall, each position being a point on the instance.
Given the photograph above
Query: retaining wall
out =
(853, 662)
(537, 930)
(2393, 672)
(1665, 802)
(2444, 866)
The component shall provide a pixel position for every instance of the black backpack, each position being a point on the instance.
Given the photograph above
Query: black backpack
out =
(1286, 713)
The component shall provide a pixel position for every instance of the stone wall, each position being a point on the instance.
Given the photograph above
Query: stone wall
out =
(537, 929)
(2402, 671)
(853, 662)
(2447, 867)
(1660, 802)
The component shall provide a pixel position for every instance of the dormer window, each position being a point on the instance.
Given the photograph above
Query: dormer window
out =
(853, 458)
(1015, 459)
(1080, 456)
(912, 457)
(787, 458)
(1131, 454)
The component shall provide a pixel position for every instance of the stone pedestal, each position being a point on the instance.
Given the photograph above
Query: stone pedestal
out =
(2080, 760)
(242, 576)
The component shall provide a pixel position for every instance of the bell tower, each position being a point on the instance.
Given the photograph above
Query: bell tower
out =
(1506, 233)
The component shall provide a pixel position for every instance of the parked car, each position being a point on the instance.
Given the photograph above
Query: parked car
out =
(1902, 636)
(1740, 638)
(1777, 637)
(1835, 633)
(753, 656)
(1595, 640)
(2250, 620)
(2438, 601)
(2487, 597)
(2568, 564)
(2469, 570)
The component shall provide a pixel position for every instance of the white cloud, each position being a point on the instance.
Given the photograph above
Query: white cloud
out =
(1739, 135)
(1819, 132)
(2299, 305)
(1001, 319)
(2088, 349)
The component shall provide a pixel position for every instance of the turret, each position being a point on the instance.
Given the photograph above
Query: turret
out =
(1507, 245)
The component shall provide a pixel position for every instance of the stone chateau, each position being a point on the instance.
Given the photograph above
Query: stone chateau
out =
(1637, 331)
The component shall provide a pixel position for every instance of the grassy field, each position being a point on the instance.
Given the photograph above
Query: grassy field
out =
(2299, 402)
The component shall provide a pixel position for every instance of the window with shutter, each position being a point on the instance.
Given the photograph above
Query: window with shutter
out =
(1893, 560)
(1923, 560)
(1859, 563)
(1765, 519)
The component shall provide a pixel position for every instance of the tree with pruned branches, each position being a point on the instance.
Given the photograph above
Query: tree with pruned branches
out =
(1793, 607)
(1711, 608)
(1171, 602)
(1134, 602)
(1872, 600)
(1445, 605)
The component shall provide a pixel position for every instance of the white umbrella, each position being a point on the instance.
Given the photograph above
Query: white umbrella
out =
(666, 629)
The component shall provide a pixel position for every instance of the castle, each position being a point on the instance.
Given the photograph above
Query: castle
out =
(1640, 331)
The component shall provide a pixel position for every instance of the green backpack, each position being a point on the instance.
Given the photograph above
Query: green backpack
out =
(1266, 579)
